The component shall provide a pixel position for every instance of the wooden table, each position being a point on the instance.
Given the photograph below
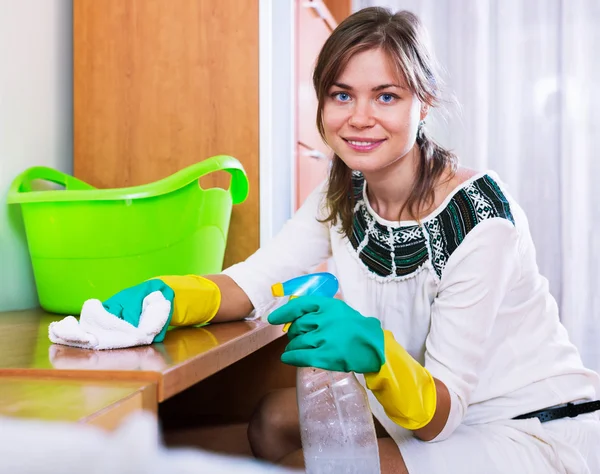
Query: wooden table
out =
(104, 404)
(187, 356)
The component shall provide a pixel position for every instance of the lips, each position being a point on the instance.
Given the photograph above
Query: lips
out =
(363, 145)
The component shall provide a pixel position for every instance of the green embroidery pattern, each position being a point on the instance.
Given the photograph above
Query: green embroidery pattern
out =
(397, 252)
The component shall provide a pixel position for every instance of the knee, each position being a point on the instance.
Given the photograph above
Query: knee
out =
(268, 420)
(272, 428)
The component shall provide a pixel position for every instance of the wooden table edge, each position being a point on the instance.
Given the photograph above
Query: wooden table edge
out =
(84, 375)
(177, 378)
(111, 416)
(194, 370)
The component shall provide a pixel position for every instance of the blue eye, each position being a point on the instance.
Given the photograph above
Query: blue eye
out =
(387, 98)
(342, 96)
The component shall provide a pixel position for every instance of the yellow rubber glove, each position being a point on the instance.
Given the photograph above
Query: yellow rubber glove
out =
(404, 387)
(196, 301)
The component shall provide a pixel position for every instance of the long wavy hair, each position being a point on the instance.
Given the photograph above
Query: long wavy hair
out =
(402, 37)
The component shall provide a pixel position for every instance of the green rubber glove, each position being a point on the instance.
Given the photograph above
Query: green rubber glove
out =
(127, 304)
(328, 334)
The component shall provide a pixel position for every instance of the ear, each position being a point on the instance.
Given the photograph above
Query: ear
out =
(424, 111)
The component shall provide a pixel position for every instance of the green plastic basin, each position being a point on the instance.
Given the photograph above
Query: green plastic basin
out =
(86, 242)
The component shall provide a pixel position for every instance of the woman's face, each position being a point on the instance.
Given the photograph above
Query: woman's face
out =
(370, 117)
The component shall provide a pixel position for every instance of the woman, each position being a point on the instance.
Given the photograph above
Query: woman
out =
(438, 256)
(444, 312)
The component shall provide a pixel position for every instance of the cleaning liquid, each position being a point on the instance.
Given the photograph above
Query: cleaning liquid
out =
(336, 424)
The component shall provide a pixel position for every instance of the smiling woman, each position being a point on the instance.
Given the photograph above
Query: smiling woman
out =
(374, 92)
(365, 113)
(439, 278)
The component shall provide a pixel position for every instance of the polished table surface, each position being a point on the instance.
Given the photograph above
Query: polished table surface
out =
(100, 403)
(187, 355)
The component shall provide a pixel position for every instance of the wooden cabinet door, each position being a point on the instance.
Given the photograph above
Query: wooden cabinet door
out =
(312, 170)
(162, 84)
(312, 32)
(314, 25)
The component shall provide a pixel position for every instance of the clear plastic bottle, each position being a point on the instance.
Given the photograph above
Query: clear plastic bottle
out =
(336, 423)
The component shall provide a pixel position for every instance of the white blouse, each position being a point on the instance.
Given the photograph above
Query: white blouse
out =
(460, 291)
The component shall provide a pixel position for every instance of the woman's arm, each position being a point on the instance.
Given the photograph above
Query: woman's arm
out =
(302, 244)
(235, 304)
(474, 283)
(432, 400)
(235, 292)
(442, 410)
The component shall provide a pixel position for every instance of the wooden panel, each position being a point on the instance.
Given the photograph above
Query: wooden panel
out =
(339, 9)
(313, 168)
(111, 417)
(219, 347)
(187, 356)
(312, 31)
(214, 413)
(231, 394)
(223, 438)
(103, 404)
(162, 84)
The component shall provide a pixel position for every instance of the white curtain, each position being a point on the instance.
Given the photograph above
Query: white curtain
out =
(526, 75)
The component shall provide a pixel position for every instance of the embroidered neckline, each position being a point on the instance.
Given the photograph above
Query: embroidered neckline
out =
(432, 215)
(399, 250)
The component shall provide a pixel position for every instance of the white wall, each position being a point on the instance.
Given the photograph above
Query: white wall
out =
(36, 125)
(277, 109)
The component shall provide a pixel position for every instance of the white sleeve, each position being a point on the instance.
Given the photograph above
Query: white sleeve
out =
(302, 244)
(28, 446)
(477, 277)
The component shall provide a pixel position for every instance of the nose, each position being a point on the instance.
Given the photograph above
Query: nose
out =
(361, 116)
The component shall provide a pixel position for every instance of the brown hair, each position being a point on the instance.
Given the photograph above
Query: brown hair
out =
(402, 37)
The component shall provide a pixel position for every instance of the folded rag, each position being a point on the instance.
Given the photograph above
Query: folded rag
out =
(99, 329)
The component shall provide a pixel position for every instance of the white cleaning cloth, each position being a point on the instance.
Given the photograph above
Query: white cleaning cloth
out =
(99, 329)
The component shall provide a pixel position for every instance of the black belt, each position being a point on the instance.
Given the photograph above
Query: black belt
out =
(563, 411)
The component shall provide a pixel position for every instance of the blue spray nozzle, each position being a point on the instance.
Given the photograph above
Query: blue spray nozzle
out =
(321, 284)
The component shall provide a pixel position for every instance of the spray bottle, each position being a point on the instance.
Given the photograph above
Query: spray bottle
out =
(336, 424)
